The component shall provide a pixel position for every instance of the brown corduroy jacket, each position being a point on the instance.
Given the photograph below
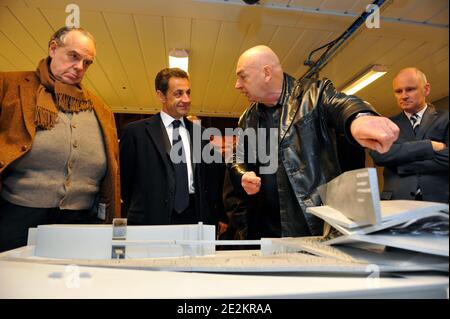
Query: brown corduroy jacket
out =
(18, 129)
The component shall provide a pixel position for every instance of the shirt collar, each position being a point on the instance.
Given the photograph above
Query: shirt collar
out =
(167, 119)
(420, 113)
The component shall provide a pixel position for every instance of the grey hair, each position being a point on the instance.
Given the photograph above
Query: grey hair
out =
(61, 33)
(419, 74)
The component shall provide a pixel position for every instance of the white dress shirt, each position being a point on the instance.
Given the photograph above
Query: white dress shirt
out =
(419, 114)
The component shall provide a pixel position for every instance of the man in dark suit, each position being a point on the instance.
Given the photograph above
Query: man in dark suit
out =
(163, 180)
(416, 166)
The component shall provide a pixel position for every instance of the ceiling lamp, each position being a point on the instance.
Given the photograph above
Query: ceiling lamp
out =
(179, 58)
(374, 72)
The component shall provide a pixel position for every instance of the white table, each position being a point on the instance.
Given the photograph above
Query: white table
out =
(32, 280)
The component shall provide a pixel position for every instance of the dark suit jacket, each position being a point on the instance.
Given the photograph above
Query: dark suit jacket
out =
(148, 176)
(411, 161)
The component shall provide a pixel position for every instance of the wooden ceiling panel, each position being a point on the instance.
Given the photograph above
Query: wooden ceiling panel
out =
(256, 35)
(282, 40)
(203, 44)
(5, 65)
(99, 83)
(439, 57)
(310, 4)
(302, 69)
(401, 8)
(425, 13)
(151, 35)
(343, 5)
(360, 6)
(440, 18)
(300, 49)
(230, 39)
(435, 59)
(399, 51)
(88, 82)
(438, 81)
(177, 33)
(17, 34)
(114, 79)
(14, 54)
(356, 51)
(34, 24)
(278, 2)
(325, 22)
(122, 28)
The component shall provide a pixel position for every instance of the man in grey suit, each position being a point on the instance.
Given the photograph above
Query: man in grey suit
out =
(416, 166)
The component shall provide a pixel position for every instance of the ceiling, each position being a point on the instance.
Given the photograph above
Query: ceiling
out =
(134, 38)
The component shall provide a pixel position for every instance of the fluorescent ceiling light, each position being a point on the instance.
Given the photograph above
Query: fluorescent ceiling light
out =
(179, 58)
(374, 72)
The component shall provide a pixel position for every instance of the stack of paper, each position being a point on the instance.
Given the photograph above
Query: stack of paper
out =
(383, 225)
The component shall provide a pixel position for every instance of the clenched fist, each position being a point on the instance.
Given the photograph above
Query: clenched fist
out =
(251, 183)
(375, 132)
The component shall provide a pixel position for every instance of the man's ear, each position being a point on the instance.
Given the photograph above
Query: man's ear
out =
(161, 96)
(267, 70)
(427, 89)
(52, 48)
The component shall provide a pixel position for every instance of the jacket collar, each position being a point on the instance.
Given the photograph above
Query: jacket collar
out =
(157, 132)
(288, 109)
(427, 120)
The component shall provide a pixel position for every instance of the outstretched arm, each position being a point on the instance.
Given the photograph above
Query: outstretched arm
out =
(374, 132)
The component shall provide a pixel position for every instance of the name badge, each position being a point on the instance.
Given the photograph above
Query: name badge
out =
(101, 211)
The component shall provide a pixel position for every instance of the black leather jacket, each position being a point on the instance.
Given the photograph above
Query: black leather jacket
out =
(312, 113)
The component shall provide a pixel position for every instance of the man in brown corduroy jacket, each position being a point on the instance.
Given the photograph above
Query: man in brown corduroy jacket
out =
(58, 144)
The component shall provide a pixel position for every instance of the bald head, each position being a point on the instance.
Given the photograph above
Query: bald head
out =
(411, 89)
(413, 72)
(260, 75)
(259, 56)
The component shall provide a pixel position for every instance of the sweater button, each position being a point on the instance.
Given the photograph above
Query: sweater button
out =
(24, 148)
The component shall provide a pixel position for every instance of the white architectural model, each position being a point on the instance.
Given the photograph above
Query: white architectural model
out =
(193, 247)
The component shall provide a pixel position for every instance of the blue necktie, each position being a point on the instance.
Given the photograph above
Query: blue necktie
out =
(415, 122)
(181, 174)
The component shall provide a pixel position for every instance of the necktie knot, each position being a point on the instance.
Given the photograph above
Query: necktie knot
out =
(415, 122)
(176, 123)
